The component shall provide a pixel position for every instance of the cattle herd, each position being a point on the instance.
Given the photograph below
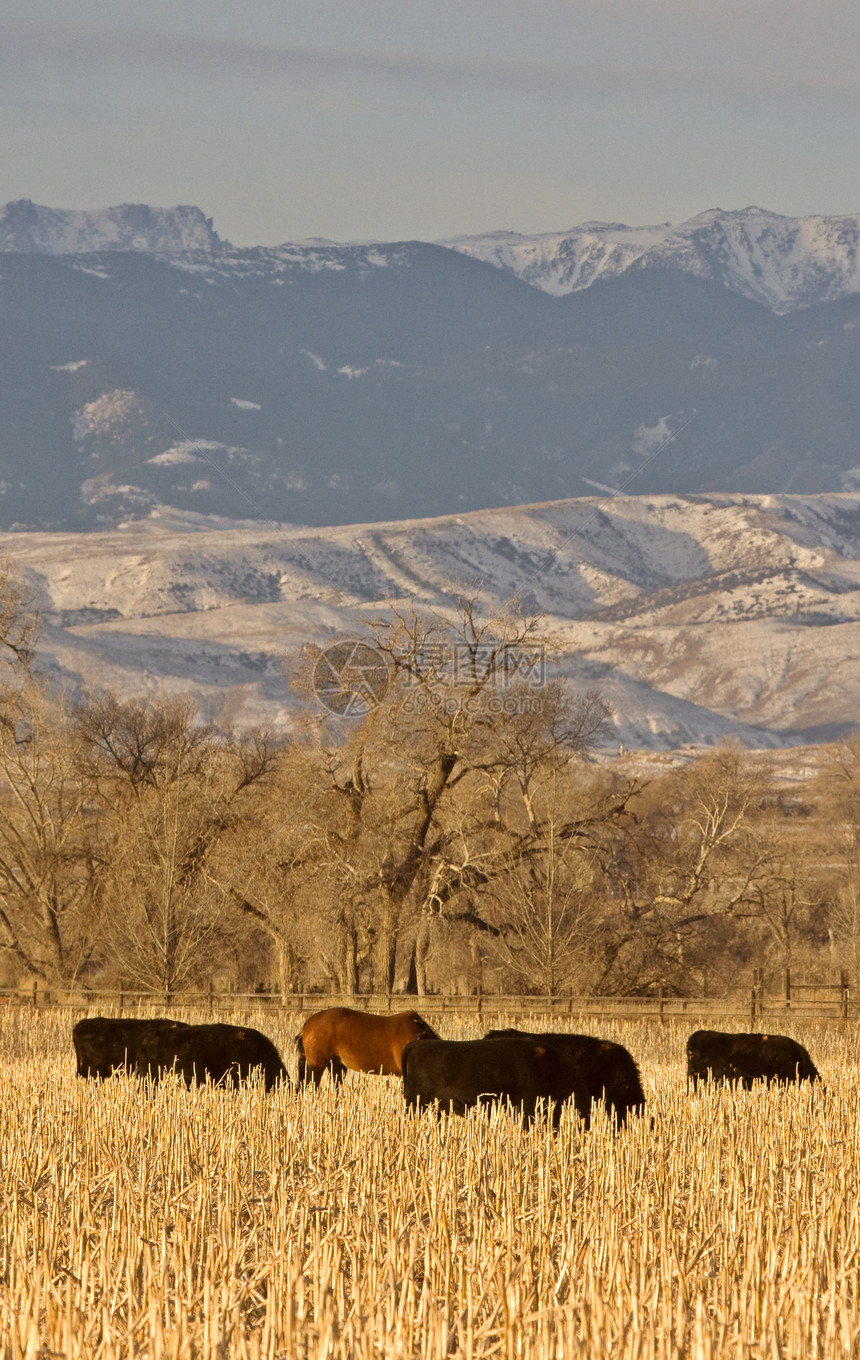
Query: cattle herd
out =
(507, 1065)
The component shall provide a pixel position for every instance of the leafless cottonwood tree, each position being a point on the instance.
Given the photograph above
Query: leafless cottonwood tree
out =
(49, 853)
(170, 790)
(843, 920)
(48, 860)
(698, 851)
(547, 906)
(18, 622)
(837, 792)
(437, 785)
(283, 869)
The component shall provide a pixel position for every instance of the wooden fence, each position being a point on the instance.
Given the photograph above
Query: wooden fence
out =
(756, 1008)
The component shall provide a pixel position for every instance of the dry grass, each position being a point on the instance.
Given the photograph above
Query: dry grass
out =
(184, 1223)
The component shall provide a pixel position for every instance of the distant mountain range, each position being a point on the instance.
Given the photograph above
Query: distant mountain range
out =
(145, 363)
(781, 262)
(698, 617)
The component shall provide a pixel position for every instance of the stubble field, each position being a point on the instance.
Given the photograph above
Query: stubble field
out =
(171, 1223)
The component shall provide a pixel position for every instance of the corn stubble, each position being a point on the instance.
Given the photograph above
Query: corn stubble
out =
(165, 1222)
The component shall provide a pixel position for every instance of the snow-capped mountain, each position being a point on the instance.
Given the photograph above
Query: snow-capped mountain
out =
(27, 226)
(699, 617)
(781, 262)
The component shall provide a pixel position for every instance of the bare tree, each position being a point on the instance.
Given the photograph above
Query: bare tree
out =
(171, 790)
(791, 895)
(285, 869)
(696, 850)
(49, 852)
(18, 619)
(547, 910)
(844, 922)
(837, 792)
(436, 784)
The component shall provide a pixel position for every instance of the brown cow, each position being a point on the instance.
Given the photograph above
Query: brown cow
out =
(339, 1038)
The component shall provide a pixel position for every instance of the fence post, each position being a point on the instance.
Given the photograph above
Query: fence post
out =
(35, 993)
(788, 989)
(478, 995)
(121, 998)
(662, 1008)
(843, 993)
(753, 1007)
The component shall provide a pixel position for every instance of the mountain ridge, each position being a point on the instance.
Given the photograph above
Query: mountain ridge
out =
(701, 618)
(780, 262)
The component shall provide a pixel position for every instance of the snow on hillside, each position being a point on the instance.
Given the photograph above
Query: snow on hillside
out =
(780, 262)
(698, 617)
(28, 226)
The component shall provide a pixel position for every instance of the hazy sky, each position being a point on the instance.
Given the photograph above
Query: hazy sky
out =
(393, 119)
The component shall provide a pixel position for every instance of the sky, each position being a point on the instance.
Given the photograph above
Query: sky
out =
(405, 119)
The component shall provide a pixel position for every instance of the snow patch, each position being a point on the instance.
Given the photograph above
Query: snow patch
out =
(647, 438)
(107, 417)
(69, 368)
(180, 453)
(96, 273)
(244, 405)
(316, 360)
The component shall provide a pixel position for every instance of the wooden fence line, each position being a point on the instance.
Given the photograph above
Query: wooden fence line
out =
(797, 1000)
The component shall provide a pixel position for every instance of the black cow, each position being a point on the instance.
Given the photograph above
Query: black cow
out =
(745, 1058)
(228, 1053)
(104, 1045)
(469, 1072)
(610, 1072)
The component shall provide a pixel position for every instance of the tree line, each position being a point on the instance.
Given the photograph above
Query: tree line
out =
(454, 827)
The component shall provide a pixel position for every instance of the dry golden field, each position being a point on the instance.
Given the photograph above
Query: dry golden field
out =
(167, 1222)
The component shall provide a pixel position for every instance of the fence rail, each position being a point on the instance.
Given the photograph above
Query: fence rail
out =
(798, 1001)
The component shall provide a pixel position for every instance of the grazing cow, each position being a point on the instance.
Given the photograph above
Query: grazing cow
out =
(104, 1045)
(469, 1072)
(339, 1038)
(610, 1073)
(745, 1058)
(199, 1053)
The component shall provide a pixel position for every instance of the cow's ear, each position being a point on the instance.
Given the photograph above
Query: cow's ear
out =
(539, 1050)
